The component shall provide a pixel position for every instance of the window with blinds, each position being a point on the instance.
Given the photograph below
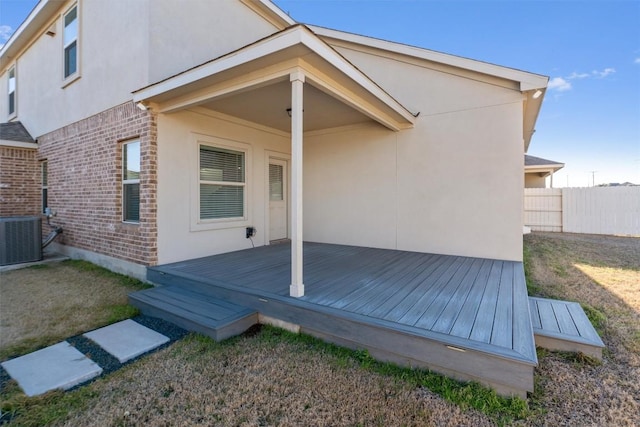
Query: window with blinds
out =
(222, 183)
(275, 183)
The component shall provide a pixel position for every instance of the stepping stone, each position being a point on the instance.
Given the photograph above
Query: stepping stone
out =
(60, 366)
(127, 339)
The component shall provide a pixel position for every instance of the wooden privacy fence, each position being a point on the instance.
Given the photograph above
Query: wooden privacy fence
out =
(595, 210)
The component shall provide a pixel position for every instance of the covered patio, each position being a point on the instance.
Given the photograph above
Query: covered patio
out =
(292, 82)
(464, 317)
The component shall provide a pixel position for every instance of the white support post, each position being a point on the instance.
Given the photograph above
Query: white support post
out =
(297, 82)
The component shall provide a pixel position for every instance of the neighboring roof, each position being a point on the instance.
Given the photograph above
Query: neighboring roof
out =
(539, 161)
(540, 166)
(14, 131)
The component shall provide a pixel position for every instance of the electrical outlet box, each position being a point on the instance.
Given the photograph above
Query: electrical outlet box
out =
(251, 231)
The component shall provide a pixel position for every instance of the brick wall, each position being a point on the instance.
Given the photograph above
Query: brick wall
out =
(20, 182)
(85, 183)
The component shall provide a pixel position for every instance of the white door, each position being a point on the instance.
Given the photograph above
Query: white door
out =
(277, 199)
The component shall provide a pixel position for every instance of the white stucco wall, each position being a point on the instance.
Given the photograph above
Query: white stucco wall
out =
(198, 31)
(533, 180)
(177, 184)
(124, 45)
(451, 185)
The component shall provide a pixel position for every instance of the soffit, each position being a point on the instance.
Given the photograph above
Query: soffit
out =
(254, 80)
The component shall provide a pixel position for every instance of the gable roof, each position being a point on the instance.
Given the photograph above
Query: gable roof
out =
(540, 166)
(532, 86)
(270, 60)
(539, 161)
(15, 131)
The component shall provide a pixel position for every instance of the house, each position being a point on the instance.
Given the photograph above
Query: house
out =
(161, 133)
(537, 169)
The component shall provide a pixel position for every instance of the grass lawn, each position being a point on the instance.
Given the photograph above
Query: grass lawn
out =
(272, 377)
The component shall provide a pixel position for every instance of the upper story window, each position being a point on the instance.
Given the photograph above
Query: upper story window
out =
(12, 91)
(131, 181)
(70, 41)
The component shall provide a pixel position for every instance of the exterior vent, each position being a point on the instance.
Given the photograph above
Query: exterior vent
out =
(20, 239)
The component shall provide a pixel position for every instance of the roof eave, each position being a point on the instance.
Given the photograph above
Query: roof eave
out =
(30, 27)
(296, 35)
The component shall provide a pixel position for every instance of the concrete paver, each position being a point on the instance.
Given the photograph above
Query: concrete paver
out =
(127, 339)
(59, 366)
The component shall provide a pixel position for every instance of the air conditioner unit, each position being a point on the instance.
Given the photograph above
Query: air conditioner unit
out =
(20, 239)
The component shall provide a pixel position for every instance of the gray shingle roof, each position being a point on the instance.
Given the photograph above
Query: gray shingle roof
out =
(538, 161)
(14, 131)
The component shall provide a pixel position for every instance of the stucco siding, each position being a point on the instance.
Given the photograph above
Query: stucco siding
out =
(451, 185)
(179, 236)
(112, 63)
(183, 37)
(533, 180)
(123, 46)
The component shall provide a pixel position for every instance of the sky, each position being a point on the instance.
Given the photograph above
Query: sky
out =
(590, 117)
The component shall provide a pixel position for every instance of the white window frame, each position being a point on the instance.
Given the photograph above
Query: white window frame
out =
(12, 91)
(68, 79)
(126, 182)
(198, 224)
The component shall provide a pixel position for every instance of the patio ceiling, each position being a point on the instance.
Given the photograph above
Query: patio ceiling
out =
(253, 84)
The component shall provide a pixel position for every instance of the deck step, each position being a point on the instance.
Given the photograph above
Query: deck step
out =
(195, 312)
(563, 325)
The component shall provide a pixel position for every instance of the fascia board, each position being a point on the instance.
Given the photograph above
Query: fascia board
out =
(18, 144)
(528, 81)
(260, 49)
(335, 59)
(270, 12)
(40, 15)
(281, 41)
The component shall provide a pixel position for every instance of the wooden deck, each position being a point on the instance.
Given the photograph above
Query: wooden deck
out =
(563, 325)
(465, 317)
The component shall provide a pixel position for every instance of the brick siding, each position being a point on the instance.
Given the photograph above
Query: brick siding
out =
(85, 183)
(20, 182)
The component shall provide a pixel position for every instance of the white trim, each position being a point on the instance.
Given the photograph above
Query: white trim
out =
(296, 289)
(527, 80)
(12, 114)
(270, 12)
(196, 224)
(130, 181)
(67, 80)
(18, 144)
(298, 35)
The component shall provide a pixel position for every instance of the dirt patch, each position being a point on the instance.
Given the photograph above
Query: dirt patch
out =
(603, 274)
(44, 304)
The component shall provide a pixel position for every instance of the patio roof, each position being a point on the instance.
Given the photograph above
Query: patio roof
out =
(253, 84)
(541, 166)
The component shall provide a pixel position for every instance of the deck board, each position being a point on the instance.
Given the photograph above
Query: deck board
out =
(483, 325)
(473, 303)
(502, 334)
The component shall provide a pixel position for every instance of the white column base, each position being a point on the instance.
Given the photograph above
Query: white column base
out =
(296, 291)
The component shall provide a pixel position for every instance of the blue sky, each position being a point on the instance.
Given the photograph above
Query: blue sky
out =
(590, 118)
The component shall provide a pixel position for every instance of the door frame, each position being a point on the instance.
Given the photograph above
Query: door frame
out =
(280, 157)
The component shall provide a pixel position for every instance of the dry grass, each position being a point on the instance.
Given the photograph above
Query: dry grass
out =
(42, 305)
(602, 273)
(265, 379)
(261, 380)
